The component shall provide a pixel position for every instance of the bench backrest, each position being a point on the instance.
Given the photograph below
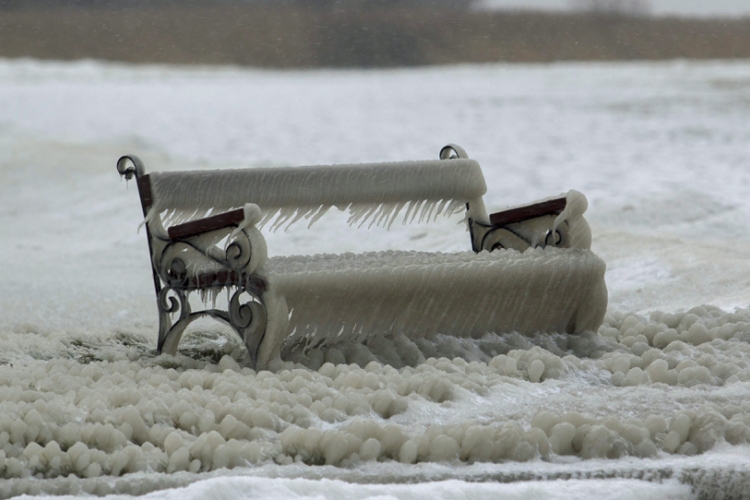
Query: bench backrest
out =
(377, 192)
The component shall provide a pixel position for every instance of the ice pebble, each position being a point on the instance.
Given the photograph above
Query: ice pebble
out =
(694, 375)
(646, 449)
(680, 424)
(510, 367)
(545, 421)
(335, 447)
(601, 442)
(393, 439)
(635, 376)
(408, 452)
(635, 433)
(664, 338)
(697, 334)
(443, 448)
(561, 438)
(657, 371)
(93, 470)
(536, 370)
(523, 451)
(179, 460)
(656, 424)
(707, 429)
(370, 450)
(477, 444)
(736, 432)
(639, 348)
(173, 442)
(621, 364)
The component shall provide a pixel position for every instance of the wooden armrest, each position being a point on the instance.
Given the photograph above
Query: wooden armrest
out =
(517, 214)
(212, 223)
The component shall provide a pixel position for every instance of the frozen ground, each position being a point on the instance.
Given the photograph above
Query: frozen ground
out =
(654, 404)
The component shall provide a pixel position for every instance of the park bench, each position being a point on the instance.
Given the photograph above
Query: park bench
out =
(530, 269)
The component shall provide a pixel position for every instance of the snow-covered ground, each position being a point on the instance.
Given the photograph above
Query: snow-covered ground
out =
(655, 404)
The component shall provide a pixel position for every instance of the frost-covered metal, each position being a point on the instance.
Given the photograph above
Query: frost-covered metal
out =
(531, 268)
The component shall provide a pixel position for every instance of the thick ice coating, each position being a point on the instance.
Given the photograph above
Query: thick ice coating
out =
(374, 192)
(352, 297)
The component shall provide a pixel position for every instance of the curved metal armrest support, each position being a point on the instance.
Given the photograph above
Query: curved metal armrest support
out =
(129, 166)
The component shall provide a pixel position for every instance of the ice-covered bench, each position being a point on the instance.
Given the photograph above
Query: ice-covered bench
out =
(530, 269)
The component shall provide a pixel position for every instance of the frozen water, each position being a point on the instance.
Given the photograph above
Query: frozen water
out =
(655, 403)
(417, 294)
(378, 193)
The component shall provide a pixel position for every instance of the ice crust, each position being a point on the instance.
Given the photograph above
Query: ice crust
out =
(378, 193)
(354, 296)
(118, 412)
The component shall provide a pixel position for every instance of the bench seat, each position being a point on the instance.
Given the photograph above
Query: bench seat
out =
(353, 297)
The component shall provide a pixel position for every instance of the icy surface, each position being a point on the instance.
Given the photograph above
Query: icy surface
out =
(351, 297)
(654, 404)
(378, 193)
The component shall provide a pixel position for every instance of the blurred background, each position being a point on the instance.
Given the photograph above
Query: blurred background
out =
(373, 33)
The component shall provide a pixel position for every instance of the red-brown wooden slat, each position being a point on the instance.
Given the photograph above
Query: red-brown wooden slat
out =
(208, 224)
(518, 214)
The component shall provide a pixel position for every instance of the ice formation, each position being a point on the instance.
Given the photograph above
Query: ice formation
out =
(579, 232)
(377, 193)
(352, 297)
(117, 412)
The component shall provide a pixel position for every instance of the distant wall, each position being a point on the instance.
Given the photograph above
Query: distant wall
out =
(288, 37)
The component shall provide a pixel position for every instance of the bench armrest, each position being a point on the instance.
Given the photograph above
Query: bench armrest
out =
(200, 226)
(554, 206)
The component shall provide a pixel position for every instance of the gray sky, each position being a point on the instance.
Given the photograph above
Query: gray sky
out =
(660, 7)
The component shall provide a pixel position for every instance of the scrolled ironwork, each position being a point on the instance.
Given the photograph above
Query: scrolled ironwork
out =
(506, 237)
(130, 166)
(249, 318)
(451, 151)
(241, 314)
(173, 301)
(235, 256)
(238, 251)
(502, 237)
(172, 268)
(561, 236)
(174, 315)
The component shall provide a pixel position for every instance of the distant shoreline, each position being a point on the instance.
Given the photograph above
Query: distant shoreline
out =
(299, 38)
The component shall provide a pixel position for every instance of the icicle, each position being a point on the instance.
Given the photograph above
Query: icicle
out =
(369, 190)
(302, 213)
(409, 209)
(317, 215)
(417, 207)
(252, 214)
(398, 209)
(385, 213)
